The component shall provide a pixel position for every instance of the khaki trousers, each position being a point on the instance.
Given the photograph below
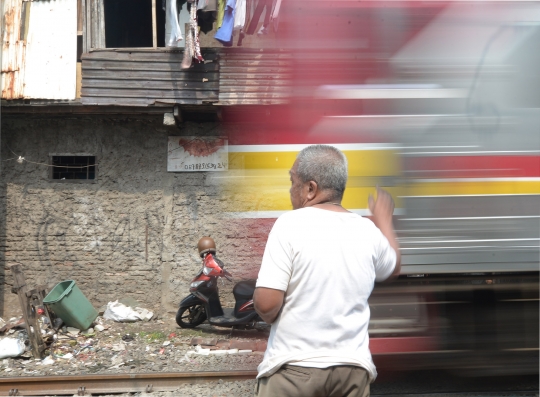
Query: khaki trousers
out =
(295, 381)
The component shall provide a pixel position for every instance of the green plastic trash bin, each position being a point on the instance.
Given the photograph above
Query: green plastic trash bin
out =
(68, 302)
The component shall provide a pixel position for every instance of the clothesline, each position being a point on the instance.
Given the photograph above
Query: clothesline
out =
(229, 16)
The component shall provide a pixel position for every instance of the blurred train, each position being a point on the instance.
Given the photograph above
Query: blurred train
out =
(439, 103)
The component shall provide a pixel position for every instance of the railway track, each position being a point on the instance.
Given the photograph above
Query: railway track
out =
(464, 394)
(84, 385)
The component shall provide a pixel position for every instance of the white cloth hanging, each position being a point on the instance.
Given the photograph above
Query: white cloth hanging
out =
(240, 15)
(275, 9)
(174, 34)
(274, 20)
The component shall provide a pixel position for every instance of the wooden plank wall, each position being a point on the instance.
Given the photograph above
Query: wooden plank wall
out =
(255, 77)
(142, 77)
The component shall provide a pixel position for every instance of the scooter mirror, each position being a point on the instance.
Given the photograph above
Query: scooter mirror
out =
(208, 271)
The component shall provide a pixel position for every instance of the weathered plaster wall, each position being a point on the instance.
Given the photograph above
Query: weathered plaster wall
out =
(131, 233)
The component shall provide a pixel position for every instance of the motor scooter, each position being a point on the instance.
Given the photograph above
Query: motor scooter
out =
(203, 301)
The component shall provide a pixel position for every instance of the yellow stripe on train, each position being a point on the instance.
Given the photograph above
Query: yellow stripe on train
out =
(259, 181)
(361, 162)
(276, 198)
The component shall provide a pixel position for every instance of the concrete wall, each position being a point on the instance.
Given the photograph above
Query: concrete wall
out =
(133, 232)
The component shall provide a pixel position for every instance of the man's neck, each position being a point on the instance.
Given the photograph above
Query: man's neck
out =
(327, 204)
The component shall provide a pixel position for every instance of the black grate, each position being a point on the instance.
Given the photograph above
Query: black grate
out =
(73, 167)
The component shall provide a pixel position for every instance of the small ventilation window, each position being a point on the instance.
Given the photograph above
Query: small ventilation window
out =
(73, 168)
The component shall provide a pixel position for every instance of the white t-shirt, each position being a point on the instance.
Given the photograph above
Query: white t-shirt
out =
(327, 263)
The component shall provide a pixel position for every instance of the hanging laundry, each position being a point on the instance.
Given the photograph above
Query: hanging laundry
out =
(206, 20)
(225, 32)
(275, 15)
(240, 15)
(262, 5)
(240, 19)
(220, 12)
(211, 5)
(249, 12)
(192, 50)
(206, 16)
(242, 34)
(240, 38)
(174, 33)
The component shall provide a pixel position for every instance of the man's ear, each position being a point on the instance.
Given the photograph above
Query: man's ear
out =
(312, 190)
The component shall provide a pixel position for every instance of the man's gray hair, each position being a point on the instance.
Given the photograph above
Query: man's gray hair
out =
(325, 165)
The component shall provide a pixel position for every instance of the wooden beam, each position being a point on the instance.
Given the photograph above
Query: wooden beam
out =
(97, 23)
(79, 16)
(177, 114)
(87, 26)
(29, 313)
(154, 24)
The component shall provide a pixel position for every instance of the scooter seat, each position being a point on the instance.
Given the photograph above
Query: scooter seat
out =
(244, 290)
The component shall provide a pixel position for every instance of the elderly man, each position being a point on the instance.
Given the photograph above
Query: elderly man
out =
(318, 270)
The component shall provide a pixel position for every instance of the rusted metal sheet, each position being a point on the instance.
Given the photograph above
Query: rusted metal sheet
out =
(51, 50)
(39, 49)
(255, 77)
(13, 50)
(136, 77)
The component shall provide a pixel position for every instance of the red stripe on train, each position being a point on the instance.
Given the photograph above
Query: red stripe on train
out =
(402, 344)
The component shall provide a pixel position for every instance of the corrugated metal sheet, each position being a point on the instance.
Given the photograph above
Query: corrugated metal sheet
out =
(13, 50)
(135, 77)
(255, 77)
(51, 50)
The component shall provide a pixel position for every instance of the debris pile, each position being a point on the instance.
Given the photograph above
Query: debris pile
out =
(61, 333)
(110, 347)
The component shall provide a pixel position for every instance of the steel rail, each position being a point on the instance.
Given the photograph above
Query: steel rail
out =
(84, 385)
(508, 393)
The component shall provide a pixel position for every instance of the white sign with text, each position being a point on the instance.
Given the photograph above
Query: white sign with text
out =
(191, 153)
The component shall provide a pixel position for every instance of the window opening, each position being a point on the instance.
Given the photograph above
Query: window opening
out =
(73, 167)
(128, 23)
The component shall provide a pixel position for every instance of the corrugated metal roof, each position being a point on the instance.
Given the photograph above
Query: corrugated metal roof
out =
(255, 77)
(51, 50)
(136, 77)
(13, 51)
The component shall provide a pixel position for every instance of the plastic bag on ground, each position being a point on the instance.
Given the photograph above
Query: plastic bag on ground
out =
(11, 347)
(116, 311)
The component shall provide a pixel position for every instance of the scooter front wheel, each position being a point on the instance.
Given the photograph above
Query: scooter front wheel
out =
(190, 316)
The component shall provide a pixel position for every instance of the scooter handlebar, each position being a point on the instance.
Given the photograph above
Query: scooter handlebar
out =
(227, 275)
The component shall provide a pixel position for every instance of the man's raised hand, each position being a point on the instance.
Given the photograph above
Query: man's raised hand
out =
(382, 208)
